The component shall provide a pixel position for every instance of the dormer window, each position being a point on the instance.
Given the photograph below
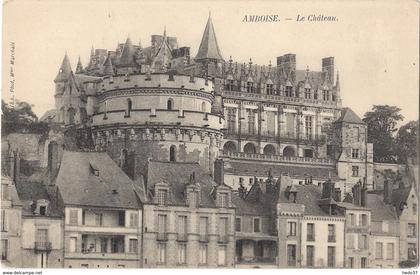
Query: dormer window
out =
(307, 93)
(42, 210)
(229, 85)
(289, 91)
(162, 197)
(326, 95)
(41, 207)
(269, 89)
(223, 200)
(250, 87)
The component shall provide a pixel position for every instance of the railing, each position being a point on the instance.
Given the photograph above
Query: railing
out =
(331, 238)
(182, 237)
(42, 246)
(223, 239)
(204, 238)
(256, 259)
(162, 236)
(277, 158)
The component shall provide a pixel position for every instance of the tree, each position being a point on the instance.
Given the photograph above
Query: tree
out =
(406, 142)
(382, 126)
(21, 118)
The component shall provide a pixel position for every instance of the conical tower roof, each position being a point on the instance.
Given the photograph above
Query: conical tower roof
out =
(79, 67)
(65, 70)
(209, 49)
(108, 68)
(127, 55)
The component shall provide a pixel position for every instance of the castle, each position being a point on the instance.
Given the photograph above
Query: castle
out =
(200, 161)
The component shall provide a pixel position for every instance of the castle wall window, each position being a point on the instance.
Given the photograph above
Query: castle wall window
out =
(289, 151)
(307, 93)
(133, 244)
(204, 224)
(411, 230)
(229, 85)
(203, 107)
(378, 250)
(161, 224)
(172, 153)
(355, 153)
(74, 217)
(170, 104)
(42, 235)
(249, 148)
(71, 113)
(308, 153)
(231, 120)
(355, 171)
(238, 224)
(250, 87)
(291, 229)
(269, 150)
(308, 127)
(182, 253)
(161, 253)
(203, 254)
(331, 233)
(269, 89)
(229, 147)
(289, 91)
(257, 225)
(315, 94)
(129, 107)
(73, 244)
(414, 208)
(251, 121)
(223, 227)
(221, 255)
(325, 95)
(310, 232)
(329, 150)
(363, 242)
(363, 262)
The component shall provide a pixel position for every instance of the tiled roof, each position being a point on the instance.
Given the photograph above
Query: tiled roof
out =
(347, 115)
(308, 195)
(80, 186)
(261, 170)
(177, 175)
(380, 210)
(208, 46)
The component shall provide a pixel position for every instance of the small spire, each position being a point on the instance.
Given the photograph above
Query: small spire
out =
(164, 31)
(337, 82)
(108, 68)
(79, 67)
(250, 62)
(230, 59)
(92, 51)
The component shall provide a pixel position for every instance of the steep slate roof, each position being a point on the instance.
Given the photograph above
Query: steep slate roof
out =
(208, 46)
(379, 209)
(255, 169)
(65, 69)
(177, 175)
(308, 195)
(399, 198)
(127, 55)
(80, 186)
(349, 116)
(247, 207)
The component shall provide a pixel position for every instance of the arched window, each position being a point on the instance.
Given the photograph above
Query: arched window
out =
(249, 148)
(229, 147)
(129, 107)
(170, 104)
(172, 153)
(289, 151)
(269, 150)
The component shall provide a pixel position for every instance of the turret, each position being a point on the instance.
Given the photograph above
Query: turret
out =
(79, 67)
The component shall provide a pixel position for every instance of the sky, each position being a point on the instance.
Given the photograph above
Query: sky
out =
(375, 43)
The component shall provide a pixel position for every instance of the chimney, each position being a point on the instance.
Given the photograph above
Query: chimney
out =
(337, 195)
(53, 163)
(219, 171)
(363, 199)
(327, 189)
(387, 191)
(328, 68)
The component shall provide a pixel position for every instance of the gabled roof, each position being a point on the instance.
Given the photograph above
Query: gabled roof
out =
(349, 116)
(65, 70)
(380, 210)
(80, 186)
(208, 46)
(177, 175)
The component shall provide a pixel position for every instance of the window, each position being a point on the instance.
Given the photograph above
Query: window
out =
(134, 219)
(223, 200)
(329, 150)
(182, 226)
(315, 94)
(251, 121)
(221, 255)
(203, 254)
(364, 220)
(414, 208)
(331, 256)
(378, 250)
(351, 262)
(352, 219)
(355, 171)
(310, 234)
(133, 245)
(363, 262)
(162, 197)
(121, 218)
(291, 229)
(4, 220)
(307, 93)
(389, 251)
(310, 255)
(291, 255)
(169, 104)
(355, 153)
(385, 226)
(98, 219)
(229, 85)
(238, 224)
(289, 91)
(250, 87)
(363, 242)
(350, 241)
(42, 235)
(162, 223)
(231, 120)
(104, 245)
(411, 230)
(331, 233)
(161, 253)
(326, 95)
(308, 127)
(84, 265)
(204, 221)
(182, 253)
(412, 251)
(129, 107)
(73, 244)
(42, 210)
(269, 89)
(172, 153)
(257, 225)
(223, 227)
(4, 249)
(74, 217)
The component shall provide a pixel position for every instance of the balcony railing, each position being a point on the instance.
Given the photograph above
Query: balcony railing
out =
(277, 158)
(223, 239)
(182, 237)
(162, 236)
(42, 246)
(255, 259)
(204, 238)
(331, 238)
